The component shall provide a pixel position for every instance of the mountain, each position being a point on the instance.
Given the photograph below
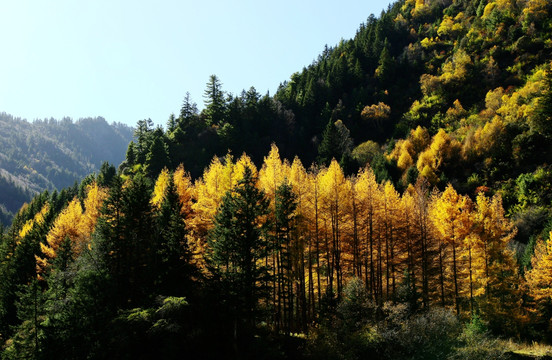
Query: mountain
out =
(453, 91)
(422, 230)
(52, 154)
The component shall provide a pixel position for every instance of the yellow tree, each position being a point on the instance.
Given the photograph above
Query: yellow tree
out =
(367, 192)
(299, 181)
(160, 188)
(336, 196)
(495, 268)
(93, 202)
(312, 216)
(208, 192)
(184, 189)
(73, 225)
(391, 214)
(271, 176)
(539, 281)
(451, 215)
(422, 249)
(443, 151)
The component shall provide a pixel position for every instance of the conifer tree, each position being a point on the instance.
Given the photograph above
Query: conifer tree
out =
(215, 103)
(238, 241)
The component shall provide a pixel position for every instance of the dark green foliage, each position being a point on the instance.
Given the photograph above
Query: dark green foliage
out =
(215, 102)
(237, 242)
(173, 272)
(17, 261)
(157, 156)
(127, 247)
(106, 175)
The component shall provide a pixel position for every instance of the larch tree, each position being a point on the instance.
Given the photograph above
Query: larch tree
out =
(539, 280)
(336, 195)
(495, 266)
(367, 191)
(451, 215)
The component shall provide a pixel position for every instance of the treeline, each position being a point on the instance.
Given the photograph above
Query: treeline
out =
(122, 266)
(53, 154)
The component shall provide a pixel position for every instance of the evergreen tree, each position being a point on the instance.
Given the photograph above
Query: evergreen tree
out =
(158, 155)
(106, 175)
(174, 270)
(215, 102)
(188, 111)
(237, 242)
(329, 147)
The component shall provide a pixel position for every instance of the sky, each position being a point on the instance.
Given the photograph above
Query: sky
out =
(130, 60)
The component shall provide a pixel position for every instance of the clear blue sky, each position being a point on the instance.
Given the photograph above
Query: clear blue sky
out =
(129, 60)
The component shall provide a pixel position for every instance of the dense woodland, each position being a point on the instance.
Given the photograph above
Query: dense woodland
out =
(52, 154)
(392, 201)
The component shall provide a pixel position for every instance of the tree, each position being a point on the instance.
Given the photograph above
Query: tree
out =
(173, 271)
(188, 111)
(539, 279)
(237, 242)
(288, 261)
(336, 142)
(215, 102)
(126, 245)
(451, 215)
(158, 154)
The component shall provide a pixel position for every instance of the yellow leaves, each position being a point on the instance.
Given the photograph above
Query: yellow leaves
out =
(420, 8)
(403, 153)
(272, 173)
(160, 188)
(536, 10)
(539, 278)
(428, 43)
(520, 105)
(485, 138)
(429, 84)
(443, 149)
(75, 224)
(38, 219)
(243, 162)
(488, 10)
(419, 138)
(48, 251)
(26, 228)
(376, 113)
(184, 189)
(451, 26)
(455, 69)
(405, 161)
(493, 99)
(451, 214)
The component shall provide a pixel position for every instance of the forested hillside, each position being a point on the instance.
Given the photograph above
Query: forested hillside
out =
(392, 202)
(52, 154)
(453, 91)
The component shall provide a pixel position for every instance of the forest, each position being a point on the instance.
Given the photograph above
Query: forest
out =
(391, 201)
(51, 154)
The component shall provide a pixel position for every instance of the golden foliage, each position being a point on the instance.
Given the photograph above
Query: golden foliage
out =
(539, 278)
(160, 188)
(74, 224)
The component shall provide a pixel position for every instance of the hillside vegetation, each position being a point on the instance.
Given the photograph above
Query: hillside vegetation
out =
(52, 154)
(422, 229)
